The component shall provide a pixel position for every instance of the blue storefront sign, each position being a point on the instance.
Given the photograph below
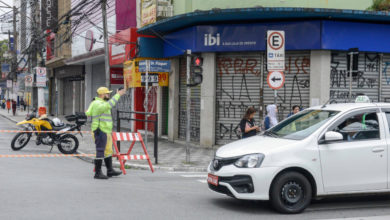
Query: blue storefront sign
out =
(242, 37)
(161, 66)
(299, 35)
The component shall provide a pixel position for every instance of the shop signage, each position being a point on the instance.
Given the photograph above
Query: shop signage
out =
(5, 68)
(134, 78)
(155, 66)
(275, 80)
(116, 76)
(275, 50)
(242, 37)
(148, 12)
(9, 83)
(28, 80)
(49, 13)
(41, 76)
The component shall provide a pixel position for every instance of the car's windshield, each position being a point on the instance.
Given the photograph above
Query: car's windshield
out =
(301, 125)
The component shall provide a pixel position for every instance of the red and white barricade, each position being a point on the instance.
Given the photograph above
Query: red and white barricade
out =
(133, 138)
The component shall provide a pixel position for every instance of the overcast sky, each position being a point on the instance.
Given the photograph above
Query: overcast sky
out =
(4, 10)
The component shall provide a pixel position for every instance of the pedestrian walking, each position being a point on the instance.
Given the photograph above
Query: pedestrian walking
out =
(3, 103)
(100, 111)
(13, 107)
(8, 105)
(271, 120)
(247, 124)
(295, 109)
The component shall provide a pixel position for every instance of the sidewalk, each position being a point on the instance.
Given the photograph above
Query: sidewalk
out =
(171, 155)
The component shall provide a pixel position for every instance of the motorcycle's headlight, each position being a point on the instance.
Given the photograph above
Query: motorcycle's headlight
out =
(250, 161)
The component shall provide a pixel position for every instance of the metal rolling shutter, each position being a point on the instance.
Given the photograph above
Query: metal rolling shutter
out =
(385, 96)
(296, 89)
(195, 106)
(238, 87)
(68, 96)
(365, 81)
(164, 110)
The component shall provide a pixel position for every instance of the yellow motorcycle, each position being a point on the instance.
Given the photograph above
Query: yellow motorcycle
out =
(67, 143)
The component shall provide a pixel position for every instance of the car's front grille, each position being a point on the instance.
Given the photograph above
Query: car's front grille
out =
(218, 163)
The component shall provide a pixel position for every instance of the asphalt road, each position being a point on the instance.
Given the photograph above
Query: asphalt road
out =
(63, 188)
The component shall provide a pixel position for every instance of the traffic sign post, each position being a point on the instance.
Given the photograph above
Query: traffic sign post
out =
(275, 60)
(275, 81)
(275, 50)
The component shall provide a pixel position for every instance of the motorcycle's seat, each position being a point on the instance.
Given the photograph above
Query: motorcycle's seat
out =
(58, 128)
(55, 128)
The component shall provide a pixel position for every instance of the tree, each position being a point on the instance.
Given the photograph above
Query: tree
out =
(380, 5)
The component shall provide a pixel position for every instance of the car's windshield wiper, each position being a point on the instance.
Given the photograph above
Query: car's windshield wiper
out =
(271, 134)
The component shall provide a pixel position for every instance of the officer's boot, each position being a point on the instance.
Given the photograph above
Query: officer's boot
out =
(110, 171)
(98, 170)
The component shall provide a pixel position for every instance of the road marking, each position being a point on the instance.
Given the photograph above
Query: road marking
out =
(178, 172)
(44, 155)
(195, 176)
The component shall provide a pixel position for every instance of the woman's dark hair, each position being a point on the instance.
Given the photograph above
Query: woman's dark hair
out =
(296, 106)
(249, 111)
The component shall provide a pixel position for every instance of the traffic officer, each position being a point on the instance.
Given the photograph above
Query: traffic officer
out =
(100, 111)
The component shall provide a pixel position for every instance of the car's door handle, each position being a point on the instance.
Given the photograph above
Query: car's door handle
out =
(378, 149)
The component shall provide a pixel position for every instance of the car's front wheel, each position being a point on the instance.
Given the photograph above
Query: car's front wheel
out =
(290, 193)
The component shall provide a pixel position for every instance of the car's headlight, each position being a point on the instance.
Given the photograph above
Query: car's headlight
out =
(250, 161)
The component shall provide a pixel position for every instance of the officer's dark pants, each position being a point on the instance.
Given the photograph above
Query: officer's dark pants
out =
(100, 142)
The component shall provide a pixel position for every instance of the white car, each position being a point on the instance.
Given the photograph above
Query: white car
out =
(321, 151)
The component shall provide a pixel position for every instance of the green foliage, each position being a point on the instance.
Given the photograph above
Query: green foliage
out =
(3, 49)
(380, 5)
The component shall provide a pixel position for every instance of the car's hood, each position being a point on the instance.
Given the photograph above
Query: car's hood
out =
(256, 144)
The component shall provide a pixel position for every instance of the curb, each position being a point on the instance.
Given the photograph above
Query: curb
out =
(6, 117)
(146, 167)
(136, 166)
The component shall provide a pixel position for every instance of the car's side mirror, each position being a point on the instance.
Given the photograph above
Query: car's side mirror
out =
(331, 136)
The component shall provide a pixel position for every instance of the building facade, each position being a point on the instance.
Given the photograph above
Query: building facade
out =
(235, 73)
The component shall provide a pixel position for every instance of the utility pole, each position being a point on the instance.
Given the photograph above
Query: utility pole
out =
(14, 57)
(188, 125)
(105, 35)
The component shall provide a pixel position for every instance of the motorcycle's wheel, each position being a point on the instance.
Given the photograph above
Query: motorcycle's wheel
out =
(68, 144)
(20, 140)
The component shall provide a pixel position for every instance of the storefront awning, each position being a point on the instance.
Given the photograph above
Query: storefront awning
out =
(259, 14)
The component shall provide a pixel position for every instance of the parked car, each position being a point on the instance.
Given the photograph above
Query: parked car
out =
(326, 150)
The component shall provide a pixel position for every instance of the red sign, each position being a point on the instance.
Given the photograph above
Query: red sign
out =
(116, 76)
(50, 45)
(122, 46)
(275, 80)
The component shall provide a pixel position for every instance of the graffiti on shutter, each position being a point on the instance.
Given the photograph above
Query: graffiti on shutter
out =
(195, 106)
(238, 88)
(296, 89)
(385, 96)
(365, 80)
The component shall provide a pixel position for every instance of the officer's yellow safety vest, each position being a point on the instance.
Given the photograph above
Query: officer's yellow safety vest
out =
(100, 111)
